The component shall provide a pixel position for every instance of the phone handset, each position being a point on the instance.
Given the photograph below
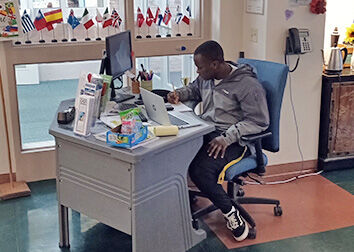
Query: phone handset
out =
(299, 41)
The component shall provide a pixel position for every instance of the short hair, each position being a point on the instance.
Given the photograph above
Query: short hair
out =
(210, 50)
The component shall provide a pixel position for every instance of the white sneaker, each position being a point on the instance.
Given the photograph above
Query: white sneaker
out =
(237, 225)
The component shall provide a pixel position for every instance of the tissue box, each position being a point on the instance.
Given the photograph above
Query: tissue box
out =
(115, 138)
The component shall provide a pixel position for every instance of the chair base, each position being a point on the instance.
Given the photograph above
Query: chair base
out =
(236, 193)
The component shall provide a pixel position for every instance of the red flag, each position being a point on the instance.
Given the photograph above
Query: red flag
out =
(107, 19)
(157, 14)
(185, 19)
(39, 21)
(140, 18)
(167, 16)
(49, 27)
(149, 17)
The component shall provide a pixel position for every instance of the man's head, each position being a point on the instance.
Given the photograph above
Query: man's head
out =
(208, 58)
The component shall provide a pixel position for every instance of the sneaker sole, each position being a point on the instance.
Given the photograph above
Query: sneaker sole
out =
(244, 235)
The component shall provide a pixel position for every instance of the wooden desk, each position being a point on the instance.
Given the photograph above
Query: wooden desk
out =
(142, 192)
(336, 145)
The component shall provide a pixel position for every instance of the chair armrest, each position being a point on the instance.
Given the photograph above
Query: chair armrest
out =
(255, 137)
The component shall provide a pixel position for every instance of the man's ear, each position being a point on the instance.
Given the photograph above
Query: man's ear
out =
(215, 64)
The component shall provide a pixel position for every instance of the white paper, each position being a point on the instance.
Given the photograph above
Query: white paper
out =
(111, 121)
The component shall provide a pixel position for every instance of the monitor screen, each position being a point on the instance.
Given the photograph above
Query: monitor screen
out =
(119, 54)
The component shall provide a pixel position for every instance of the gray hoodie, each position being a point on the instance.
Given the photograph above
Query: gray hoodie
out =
(236, 106)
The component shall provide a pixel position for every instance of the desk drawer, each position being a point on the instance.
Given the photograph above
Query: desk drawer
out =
(94, 165)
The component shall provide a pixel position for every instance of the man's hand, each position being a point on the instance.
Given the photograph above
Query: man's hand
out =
(173, 97)
(217, 145)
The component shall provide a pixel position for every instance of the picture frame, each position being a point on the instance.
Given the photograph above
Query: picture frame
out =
(10, 20)
(255, 7)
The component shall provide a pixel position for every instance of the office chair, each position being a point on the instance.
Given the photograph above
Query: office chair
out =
(273, 77)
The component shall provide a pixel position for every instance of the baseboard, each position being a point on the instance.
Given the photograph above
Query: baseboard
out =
(5, 178)
(289, 170)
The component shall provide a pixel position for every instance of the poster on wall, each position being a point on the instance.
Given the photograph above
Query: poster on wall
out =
(9, 20)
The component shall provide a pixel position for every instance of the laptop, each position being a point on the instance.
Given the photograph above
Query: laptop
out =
(156, 111)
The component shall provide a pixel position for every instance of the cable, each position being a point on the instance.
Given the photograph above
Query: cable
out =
(296, 64)
(281, 181)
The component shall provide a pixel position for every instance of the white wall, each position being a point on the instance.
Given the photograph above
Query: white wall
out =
(340, 13)
(271, 29)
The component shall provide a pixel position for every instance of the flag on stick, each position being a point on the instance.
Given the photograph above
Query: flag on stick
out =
(157, 15)
(86, 20)
(149, 17)
(107, 19)
(167, 16)
(27, 23)
(185, 19)
(188, 9)
(140, 18)
(39, 21)
(72, 20)
(116, 19)
(99, 18)
(179, 15)
(55, 16)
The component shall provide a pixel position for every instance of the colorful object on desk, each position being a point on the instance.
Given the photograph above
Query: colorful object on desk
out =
(126, 140)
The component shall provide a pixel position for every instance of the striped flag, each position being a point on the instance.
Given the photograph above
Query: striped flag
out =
(53, 17)
(149, 17)
(167, 16)
(107, 19)
(157, 14)
(86, 20)
(27, 23)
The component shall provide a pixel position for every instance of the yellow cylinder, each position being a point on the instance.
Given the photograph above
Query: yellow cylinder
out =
(171, 130)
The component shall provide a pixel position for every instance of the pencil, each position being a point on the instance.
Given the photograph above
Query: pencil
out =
(173, 87)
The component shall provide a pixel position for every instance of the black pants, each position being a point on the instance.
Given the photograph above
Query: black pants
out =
(204, 171)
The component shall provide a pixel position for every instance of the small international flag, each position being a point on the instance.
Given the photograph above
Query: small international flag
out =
(157, 15)
(116, 20)
(107, 19)
(86, 20)
(55, 16)
(99, 18)
(188, 9)
(185, 19)
(27, 23)
(149, 17)
(39, 21)
(167, 16)
(179, 15)
(160, 19)
(72, 20)
(140, 18)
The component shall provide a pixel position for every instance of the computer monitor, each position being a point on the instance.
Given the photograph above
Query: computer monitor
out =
(119, 54)
(118, 58)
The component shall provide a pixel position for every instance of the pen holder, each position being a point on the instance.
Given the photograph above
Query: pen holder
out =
(146, 84)
(136, 87)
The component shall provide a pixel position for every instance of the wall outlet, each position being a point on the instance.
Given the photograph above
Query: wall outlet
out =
(254, 35)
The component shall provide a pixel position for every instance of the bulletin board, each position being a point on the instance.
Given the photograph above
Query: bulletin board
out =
(10, 27)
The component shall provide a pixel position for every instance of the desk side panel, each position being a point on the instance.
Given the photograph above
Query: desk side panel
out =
(95, 184)
(161, 201)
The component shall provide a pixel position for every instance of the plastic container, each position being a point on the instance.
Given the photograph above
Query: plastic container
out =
(113, 137)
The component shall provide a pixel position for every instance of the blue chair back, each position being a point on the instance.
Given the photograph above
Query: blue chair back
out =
(273, 77)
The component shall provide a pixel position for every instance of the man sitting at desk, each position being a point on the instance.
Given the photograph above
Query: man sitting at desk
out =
(235, 102)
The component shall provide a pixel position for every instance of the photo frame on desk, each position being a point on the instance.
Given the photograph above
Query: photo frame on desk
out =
(255, 7)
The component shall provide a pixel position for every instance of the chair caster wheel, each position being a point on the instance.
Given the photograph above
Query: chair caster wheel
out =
(252, 233)
(195, 224)
(278, 211)
(241, 193)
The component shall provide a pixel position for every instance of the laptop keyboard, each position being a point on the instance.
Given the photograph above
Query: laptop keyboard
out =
(176, 121)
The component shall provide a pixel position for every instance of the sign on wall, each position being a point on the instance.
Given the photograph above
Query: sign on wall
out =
(9, 20)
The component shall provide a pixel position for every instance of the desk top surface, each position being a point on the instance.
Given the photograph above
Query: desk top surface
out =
(65, 132)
